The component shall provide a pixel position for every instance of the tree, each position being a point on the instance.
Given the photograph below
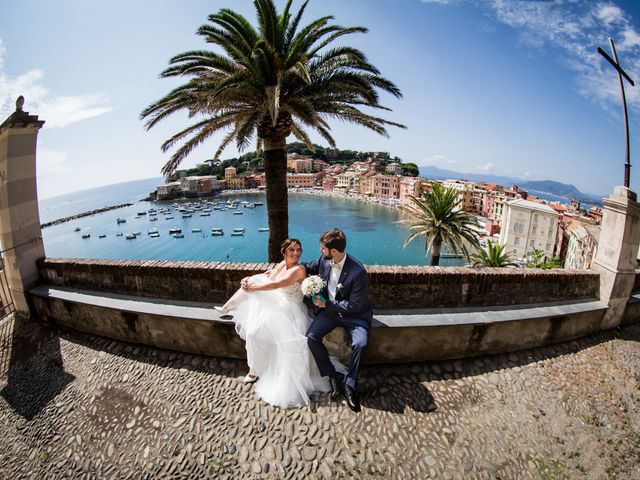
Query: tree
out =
(410, 169)
(438, 218)
(493, 256)
(271, 81)
(537, 259)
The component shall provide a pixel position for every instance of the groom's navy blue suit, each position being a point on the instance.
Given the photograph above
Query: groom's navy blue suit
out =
(350, 310)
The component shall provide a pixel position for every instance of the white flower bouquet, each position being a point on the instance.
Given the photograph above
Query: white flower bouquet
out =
(312, 286)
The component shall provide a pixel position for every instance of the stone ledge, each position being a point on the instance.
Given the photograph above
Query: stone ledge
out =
(403, 335)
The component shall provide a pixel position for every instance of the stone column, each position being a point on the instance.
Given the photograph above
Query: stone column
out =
(617, 253)
(20, 232)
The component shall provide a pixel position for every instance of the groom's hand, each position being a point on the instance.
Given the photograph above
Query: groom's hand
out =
(319, 303)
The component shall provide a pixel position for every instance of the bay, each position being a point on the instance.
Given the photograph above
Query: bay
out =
(372, 234)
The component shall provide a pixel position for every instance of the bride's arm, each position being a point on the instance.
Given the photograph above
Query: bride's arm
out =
(294, 275)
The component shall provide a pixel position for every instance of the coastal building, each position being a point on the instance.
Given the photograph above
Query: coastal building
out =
(596, 214)
(189, 185)
(348, 181)
(582, 246)
(386, 186)
(367, 182)
(167, 190)
(394, 168)
(328, 182)
(305, 180)
(235, 183)
(255, 180)
(527, 225)
(319, 165)
(229, 173)
(299, 163)
(465, 193)
(207, 184)
(410, 187)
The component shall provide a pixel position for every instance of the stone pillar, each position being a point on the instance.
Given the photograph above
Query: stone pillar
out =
(617, 253)
(20, 232)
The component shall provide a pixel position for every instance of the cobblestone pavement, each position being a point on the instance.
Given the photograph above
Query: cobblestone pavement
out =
(79, 406)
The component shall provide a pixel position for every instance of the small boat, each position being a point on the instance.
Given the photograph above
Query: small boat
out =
(154, 235)
(249, 205)
(237, 234)
(153, 230)
(263, 229)
(178, 235)
(121, 220)
(102, 236)
(186, 215)
(217, 233)
(142, 213)
(205, 214)
(238, 213)
(170, 217)
(77, 229)
(85, 235)
(119, 234)
(238, 229)
(153, 219)
(196, 230)
(258, 204)
(175, 230)
(130, 236)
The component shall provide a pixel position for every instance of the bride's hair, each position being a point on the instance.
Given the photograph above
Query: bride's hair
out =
(287, 243)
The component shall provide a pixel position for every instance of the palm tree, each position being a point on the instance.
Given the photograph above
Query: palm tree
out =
(493, 256)
(436, 216)
(269, 82)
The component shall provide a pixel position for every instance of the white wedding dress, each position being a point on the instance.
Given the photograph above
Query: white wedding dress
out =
(273, 324)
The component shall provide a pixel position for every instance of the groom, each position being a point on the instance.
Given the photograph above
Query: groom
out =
(347, 306)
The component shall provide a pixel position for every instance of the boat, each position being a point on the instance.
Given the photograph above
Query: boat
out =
(142, 213)
(238, 213)
(249, 205)
(239, 229)
(85, 235)
(178, 235)
(154, 235)
(170, 217)
(237, 233)
(205, 214)
(186, 215)
(121, 220)
(196, 230)
(175, 230)
(102, 236)
(153, 230)
(77, 229)
(217, 232)
(130, 236)
(263, 229)
(119, 234)
(153, 219)
(258, 204)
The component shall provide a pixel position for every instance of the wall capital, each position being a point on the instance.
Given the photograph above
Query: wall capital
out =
(21, 119)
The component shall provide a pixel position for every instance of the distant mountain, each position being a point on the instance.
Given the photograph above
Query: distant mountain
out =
(542, 188)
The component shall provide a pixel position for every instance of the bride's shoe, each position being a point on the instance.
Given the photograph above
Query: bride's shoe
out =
(250, 378)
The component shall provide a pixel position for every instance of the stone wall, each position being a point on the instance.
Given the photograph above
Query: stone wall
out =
(390, 286)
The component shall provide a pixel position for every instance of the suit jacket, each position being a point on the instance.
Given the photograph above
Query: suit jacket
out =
(351, 303)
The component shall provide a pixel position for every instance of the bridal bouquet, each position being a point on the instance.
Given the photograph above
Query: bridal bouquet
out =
(312, 286)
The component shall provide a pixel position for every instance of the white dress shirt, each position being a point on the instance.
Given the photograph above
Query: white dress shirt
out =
(334, 277)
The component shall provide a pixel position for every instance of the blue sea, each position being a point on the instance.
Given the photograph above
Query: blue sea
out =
(372, 234)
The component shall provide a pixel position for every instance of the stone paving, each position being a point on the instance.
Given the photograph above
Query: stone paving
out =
(79, 406)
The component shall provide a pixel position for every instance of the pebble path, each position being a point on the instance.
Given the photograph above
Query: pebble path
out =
(79, 406)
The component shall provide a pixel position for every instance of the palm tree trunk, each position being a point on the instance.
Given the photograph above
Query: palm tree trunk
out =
(275, 169)
(435, 253)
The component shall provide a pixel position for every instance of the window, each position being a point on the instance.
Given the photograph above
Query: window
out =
(535, 217)
(548, 247)
(533, 230)
(516, 242)
(532, 244)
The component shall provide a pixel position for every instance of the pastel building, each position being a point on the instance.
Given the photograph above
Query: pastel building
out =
(386, 186)
(582, 246)
(305, 180)
(394, 168)
(410, 187)
(527, 225)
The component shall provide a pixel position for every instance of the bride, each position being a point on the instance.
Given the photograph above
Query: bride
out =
(272, 319)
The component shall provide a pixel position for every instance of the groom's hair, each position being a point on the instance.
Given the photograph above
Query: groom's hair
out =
(334, 239)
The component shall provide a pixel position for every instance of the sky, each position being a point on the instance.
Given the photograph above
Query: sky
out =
(508, 87)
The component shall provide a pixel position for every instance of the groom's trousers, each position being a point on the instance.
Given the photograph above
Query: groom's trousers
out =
(320, 327)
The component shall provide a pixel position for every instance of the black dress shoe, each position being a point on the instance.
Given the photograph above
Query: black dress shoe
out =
(336, 388)
(351, 394)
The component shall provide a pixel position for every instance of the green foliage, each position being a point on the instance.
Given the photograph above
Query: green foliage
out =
(410, 170)
(436, 216)
(493, 256)
(537, 259)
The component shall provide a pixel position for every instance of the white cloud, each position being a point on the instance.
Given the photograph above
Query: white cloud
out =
(440, 2)
(487, 167)
(577, 29)
(57, 110)
(526, 174)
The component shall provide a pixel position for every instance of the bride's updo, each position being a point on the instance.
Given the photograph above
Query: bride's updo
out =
(287, 244)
